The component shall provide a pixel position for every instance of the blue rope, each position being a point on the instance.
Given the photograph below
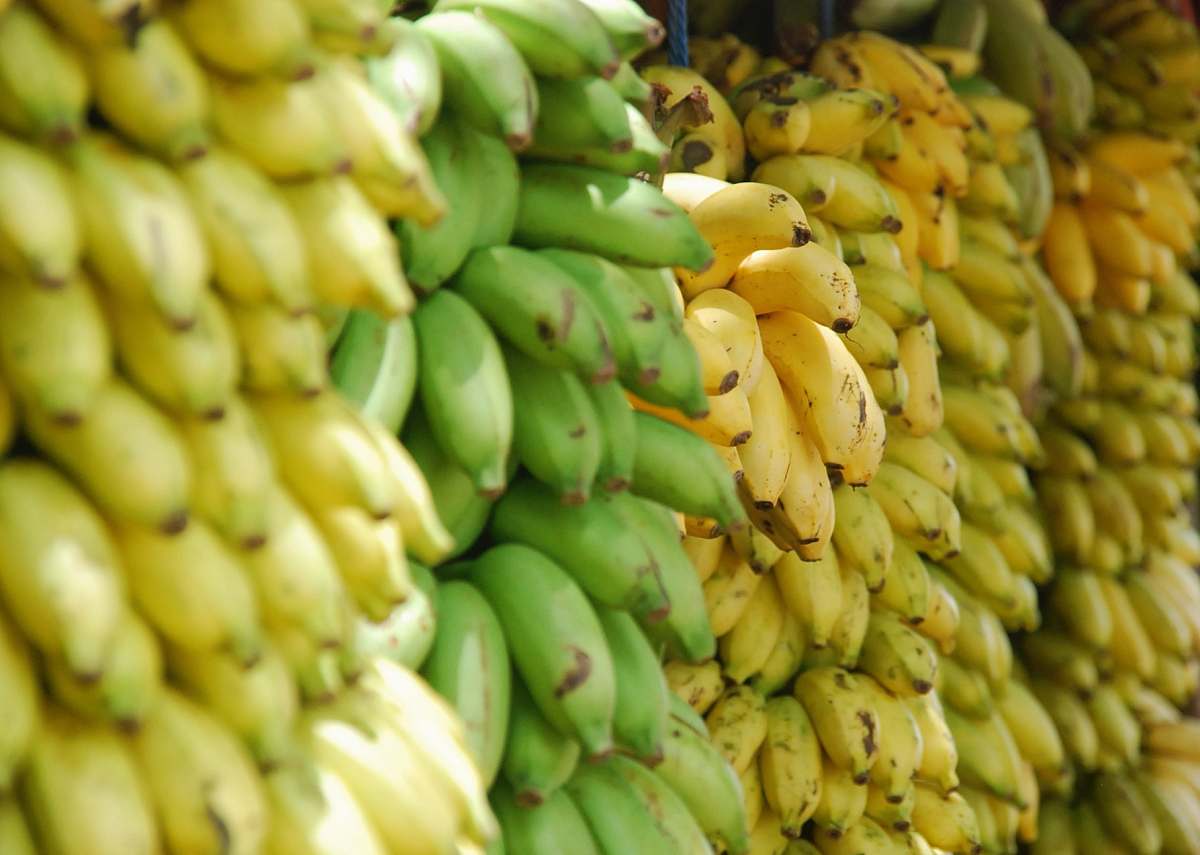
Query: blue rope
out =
(677, 45)
(826, 19)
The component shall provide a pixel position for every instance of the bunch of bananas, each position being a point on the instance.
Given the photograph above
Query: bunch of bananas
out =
(208, 615)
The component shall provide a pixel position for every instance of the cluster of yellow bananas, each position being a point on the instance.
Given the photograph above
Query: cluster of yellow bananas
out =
(1145, 61)
(803, 348)
(198, 538)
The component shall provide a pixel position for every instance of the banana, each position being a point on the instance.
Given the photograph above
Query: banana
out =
(1126, 815)
(707, 784)
(346, 25)
(839, 411)
(786, 657)
(617, 813)
(373, 366)
(280, 126)
(17, 679)
(1159, 615)
(746, 648)
(202, 783)
(865, 837)
(269, 38)
(911, 166)
(405, 635)
(947, 822)
(352, 256)
(83, 792)
(738, 220)
(621, 231)
(900, 748)
(982, 569)
(908, 589)
(988, 756)
(937, 227)
(727, 423)
(685, 629)
(555, 428)
(678, 390)
(725, 138)
(1079, 602)
(842, 801)
(682, 471)
(917, 510)
(737, 725)
(1032, 728)
(914, 80)
(361, 740)
(812, 592)
(555, 826)
(565, 662)
(14, 832)
(311, 807)
(890, 388)
(894, 818)
(939, 756)
(1118, 731)
(789, 762)
(945, 145)
(777, 126)
(1176, 825)
(1116, 241)
(50, 104)
(897, 657)
(153, 91)
(281, 352)
(889, 293)
(854, 199)
(864, 540)
(942, 617)
(538, 759)
(842, 118)
(766, 455)
(640, 712)
(1131, 646)
(468, 666)
(923, 410)
(133, 210)
(1056, 656)
(876, 248)
(39, 233)
(843, 714)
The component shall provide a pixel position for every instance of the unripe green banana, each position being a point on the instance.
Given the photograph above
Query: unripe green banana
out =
(432, 253)
(632, 222)
(686, 627)
(469, 666)
(632, 30)
(473, 422)
(556, 433)
(660, 801)
(864, 540)
(615, 812)
(679, 384)
(552, 827)
(555, 639)
(592, 542)
(680, 470)
(485, 79)
(618, 435)
(538, 758)
(640, 714)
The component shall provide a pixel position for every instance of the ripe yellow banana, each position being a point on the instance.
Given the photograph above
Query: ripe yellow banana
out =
(812, 591)
(939, 756)
(728, 591)
(766, 456)
(737, 726)
(732, 320)
(947, 822)
(699, 685)
(924, 408)
(917, 510)
(844, 716)
(808, 279)
(900, 744)
(843, 801)
(790, 764)
(864, 540)
(746, 648)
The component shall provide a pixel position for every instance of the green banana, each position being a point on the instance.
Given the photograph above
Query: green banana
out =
(640, 714)
(1062, 341)
(464, 388)
(679, 383)
(538, 759)
(408, 76)
(623, 219)
(374, 366)
(433, 253)
(592, 542)
(468, 666)
(459, 505)
(618, 436)
(556, 433)
(678, 469)
(663, 804)
(632, 30)
(636, 331)
(616, 814)
(645, 152)
(1031, 180)
(555, 827)
(580, 114)
(686, 625)
(502, 175)
(962, 24)
(485, 79)
(555, 640)
(537, 307)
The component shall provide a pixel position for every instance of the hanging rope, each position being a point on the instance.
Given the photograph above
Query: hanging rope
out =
(677, 45)
(826, 19)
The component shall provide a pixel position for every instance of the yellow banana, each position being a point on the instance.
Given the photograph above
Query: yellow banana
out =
(947, 822)
(838, 409)
(900, 744)
(812, 591)
(699, 685)
(728, 422)
(844, 716)
(789, 762)
(1068, 255)
(864, 540)
(746, 648)
(732, 320)
(777, 126)
(1131, 647)
(1116, 240)
(808, 279)
(941, 618)
(843, 118)
(915, 81)
(896, 656)
(843, 801)
(923, 410)
(737, 726)
(39, 232)
(917, 510)
(766, 455)
(728, 591)
(48, 105)
(939, 756)
(907, 592)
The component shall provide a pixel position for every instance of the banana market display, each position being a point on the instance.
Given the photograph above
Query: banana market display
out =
(468, 433)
